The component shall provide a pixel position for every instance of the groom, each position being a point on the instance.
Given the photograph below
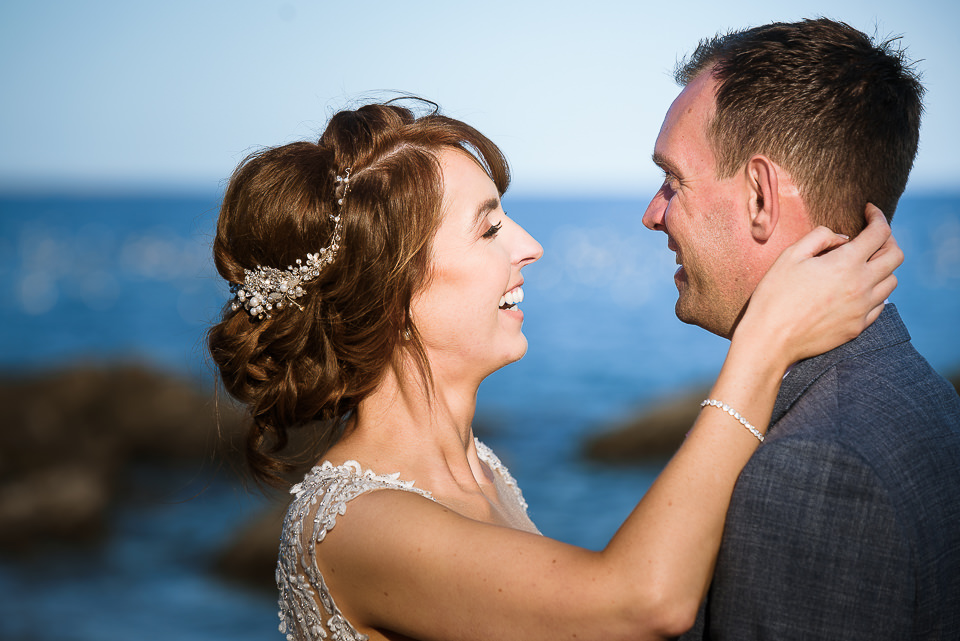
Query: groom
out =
(846, 522)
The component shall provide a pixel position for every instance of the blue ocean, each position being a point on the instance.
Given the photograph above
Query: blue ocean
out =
(129, 278)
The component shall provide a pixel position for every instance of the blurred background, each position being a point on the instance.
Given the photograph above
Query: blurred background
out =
(120, 513)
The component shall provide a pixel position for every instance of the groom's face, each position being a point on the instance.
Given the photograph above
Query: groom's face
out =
(703, 217)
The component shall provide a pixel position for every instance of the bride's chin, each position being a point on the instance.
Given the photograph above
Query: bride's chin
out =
(508, 359)
(518, 354)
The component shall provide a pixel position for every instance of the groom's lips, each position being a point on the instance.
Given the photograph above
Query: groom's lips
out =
(680, 275)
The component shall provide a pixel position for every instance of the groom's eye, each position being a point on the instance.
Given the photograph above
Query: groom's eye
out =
(669, 186)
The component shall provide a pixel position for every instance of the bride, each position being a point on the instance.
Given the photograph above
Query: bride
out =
(377, 283)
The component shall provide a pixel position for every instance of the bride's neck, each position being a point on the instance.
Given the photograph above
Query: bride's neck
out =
(442, 409)
(404, 426)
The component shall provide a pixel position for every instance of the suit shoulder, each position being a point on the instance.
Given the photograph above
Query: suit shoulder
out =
(862, 400)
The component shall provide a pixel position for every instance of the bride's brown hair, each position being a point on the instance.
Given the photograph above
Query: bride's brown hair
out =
(314, 365)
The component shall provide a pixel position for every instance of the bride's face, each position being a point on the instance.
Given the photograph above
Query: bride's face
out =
(467, 314)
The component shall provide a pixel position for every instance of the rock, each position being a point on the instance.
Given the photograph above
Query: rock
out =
(107, 411)
(653, 434)
(65, 502)
(70, 433)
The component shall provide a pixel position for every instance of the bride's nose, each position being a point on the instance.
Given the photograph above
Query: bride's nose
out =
(528, 250)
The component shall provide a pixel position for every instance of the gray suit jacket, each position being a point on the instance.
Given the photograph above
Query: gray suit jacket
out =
(845, 524)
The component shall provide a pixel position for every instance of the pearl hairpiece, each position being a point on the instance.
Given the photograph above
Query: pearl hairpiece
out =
(266, 288)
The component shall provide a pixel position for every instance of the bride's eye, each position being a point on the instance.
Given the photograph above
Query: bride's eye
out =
(490, 233)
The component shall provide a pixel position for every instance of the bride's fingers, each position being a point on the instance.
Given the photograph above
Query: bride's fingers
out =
(872, 315)
(880, 270)
(876, 299)
(882, 263)
(874, 243)
(818, 241)
(881, 293)
(878, 276)
(889, 256)
(874, 236)
(883, 290)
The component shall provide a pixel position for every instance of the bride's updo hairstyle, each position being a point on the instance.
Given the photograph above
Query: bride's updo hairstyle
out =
(315, 364)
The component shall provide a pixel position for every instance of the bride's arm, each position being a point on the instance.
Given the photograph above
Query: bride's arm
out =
(405, 564)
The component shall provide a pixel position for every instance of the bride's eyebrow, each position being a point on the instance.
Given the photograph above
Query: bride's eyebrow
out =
(485, 208)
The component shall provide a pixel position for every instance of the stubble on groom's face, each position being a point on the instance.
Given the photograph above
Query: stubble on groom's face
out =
(700, 214)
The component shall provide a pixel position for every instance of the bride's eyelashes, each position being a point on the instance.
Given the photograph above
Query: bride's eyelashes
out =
(490, 233)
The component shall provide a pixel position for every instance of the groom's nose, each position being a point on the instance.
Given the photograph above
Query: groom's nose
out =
(653, 216)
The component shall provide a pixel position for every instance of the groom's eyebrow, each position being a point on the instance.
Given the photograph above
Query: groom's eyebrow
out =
(663, 162)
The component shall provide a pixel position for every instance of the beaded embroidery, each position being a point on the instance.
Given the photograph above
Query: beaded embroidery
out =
(266, 288)
(307, 609)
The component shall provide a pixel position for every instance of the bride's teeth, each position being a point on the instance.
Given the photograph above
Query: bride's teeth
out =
(513, 297)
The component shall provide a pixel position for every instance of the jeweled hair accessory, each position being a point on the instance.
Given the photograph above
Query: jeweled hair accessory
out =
(267, 288)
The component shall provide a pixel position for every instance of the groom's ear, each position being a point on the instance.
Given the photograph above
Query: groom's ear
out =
(763, 191)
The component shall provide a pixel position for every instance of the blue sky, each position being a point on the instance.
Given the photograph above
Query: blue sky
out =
(149, 95)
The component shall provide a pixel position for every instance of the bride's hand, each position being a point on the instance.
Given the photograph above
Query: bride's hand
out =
(824, 290)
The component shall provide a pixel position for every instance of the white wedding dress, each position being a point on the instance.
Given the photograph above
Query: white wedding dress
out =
(307, 609)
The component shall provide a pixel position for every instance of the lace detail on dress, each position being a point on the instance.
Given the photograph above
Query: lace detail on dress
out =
(487, 456)
(307, 610)
(325, 491)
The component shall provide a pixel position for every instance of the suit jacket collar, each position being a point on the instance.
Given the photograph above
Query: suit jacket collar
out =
(888, 329)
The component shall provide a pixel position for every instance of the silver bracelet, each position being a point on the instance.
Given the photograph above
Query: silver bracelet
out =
(735, 414)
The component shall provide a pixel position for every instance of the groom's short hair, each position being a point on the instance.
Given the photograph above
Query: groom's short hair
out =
(838, 111)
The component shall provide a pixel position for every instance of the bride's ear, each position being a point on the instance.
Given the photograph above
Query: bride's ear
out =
(763, 192)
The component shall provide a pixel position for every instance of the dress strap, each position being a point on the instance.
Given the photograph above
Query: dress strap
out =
(487, 456)
(319, 499)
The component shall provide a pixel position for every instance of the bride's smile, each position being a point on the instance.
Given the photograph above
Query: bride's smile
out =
(467, 313)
